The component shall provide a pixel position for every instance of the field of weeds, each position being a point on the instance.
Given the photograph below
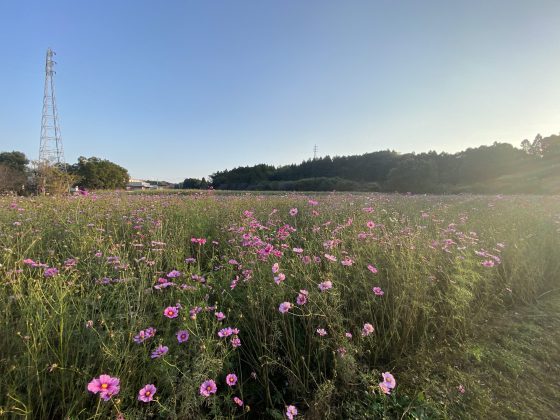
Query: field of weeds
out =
(325, 306)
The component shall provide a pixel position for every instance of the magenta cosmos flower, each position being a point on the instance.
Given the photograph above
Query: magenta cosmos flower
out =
(378, 292)
(159, 352)
(106, 386)
(174, 274)
(293, 212)
(182, 336)
(284, 307)
(208, 388)
(51, 272)
(231, 379)
(238, 401)
(146, 394)
(171, 312)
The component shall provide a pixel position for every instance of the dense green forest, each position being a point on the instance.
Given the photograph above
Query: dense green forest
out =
(499, 168)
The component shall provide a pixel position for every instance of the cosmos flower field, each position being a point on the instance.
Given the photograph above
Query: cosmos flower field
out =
(257, 306)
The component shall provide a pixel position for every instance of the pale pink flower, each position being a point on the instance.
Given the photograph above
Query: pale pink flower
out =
(291, 412)
(284, 307)
(367, 329)
(326, 285)
(372, 268)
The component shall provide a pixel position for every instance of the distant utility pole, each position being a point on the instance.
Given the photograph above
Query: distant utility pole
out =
(50, 150)
(315, 152)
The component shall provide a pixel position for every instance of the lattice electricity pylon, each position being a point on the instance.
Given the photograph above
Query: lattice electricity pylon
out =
(50, 150)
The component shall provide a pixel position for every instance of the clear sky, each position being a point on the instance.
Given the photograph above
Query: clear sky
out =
(176, 89)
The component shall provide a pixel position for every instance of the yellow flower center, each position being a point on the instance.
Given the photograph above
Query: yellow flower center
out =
(104, 386)
(148, 393)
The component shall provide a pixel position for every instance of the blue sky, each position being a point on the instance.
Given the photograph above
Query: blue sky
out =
(178, 89)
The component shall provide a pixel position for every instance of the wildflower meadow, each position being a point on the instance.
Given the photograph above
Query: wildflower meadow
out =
(227, 306)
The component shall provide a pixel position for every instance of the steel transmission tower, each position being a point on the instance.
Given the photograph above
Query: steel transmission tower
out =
(50, 151)
(315, 149)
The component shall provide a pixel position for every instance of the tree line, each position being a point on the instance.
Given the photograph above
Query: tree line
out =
(480, 169)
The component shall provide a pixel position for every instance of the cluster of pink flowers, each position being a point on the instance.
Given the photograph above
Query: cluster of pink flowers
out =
(199, 241)
(144, 335)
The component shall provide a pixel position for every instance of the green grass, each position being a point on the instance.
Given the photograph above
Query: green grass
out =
(444, 320)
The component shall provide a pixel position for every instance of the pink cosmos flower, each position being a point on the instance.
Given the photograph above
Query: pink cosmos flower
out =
(231, 379)
(235, 341)
(146, 394)
(159, 352)
(106, 386)
(372, 269)
(182, 336)
(284, 307)
(389, 380)
(171, 312)
(384, 388)
(347, 262)
(238, 401)
(174, 274)
(348, 335)
(220, 316)
(367, 329)
(279, 278)
(208, 388)
(378, 292)
(302, 297)
(461, 389)
(488, 263)
(330, 257)
(321, 331)
(326, 285)
(370, 224)
(291, 412)
(293, 212)
(297, 250)
(51, 272)
(225, 332)
(275, 268)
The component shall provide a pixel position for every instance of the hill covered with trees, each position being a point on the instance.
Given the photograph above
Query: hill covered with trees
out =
(499, 168)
